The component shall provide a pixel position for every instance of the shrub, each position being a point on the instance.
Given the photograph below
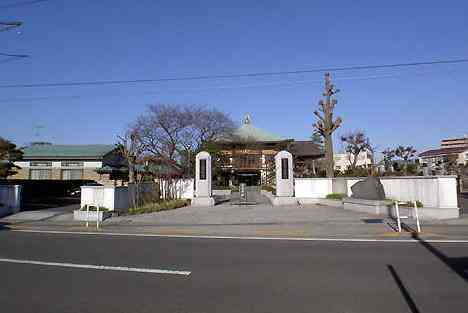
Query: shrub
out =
(419, 204)
(269, 188)
(94, 208)
(335, 196)
(159, 206)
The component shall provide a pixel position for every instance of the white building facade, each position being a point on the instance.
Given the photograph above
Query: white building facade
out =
(343, 161)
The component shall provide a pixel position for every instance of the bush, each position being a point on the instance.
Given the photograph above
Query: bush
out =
(419, 204)
(335, 196)
(94, 208)
(159, 206)
(269, 188)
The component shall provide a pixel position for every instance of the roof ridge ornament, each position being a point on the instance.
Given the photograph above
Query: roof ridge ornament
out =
(247, 119)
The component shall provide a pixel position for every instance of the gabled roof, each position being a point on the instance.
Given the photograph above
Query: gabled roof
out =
(305, 148)
(48, 151)
(248, 132)
(443, 151)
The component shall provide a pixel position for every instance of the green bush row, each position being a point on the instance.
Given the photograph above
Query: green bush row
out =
(269, 188)
(94, 208)
(335, 196)
(159, 206)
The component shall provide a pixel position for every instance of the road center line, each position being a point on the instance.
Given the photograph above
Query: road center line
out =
(98, 267)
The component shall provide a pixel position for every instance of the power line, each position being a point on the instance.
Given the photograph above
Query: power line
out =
(14, 55)
(4, 26)
(23, 3)
(244, 75)
(10, 59)
(180, 91)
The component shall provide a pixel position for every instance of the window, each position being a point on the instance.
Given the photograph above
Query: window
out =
(72, 164)
(40, 174)
(41, 164)
(72, 174)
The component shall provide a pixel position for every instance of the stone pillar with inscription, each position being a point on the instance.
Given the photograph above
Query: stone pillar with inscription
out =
(203, 194)
(284, 179)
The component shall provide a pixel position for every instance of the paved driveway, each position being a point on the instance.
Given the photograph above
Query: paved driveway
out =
(42, 215)
(264, 213)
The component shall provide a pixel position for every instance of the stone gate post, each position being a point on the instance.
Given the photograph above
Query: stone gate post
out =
(203, 194)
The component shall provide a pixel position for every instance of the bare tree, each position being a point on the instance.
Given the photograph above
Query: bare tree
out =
(173, 134)
(355, 143)
(169, 131)
(132, 148)
(326, 125)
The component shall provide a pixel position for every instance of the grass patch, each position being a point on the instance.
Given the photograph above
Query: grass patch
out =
(94, 208)
(159, 206)
(335, 196)
(419, 204)
(269, 188)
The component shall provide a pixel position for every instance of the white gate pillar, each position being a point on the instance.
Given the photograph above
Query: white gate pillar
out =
(284, 179)
(203, 193)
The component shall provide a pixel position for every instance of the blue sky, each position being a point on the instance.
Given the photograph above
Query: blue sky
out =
(116, 40)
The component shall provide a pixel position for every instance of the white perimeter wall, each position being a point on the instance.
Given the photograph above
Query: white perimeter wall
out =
(112, 198)
(181, 188)
(10, 199)
(432, 191)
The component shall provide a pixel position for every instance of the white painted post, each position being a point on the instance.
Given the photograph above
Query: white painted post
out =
(87, 215)
(397, 209)
(97, 216)
(417, 217)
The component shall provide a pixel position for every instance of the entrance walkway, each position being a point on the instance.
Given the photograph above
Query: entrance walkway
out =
(263, 213)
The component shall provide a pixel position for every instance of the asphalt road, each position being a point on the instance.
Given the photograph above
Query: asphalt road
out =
(231, 275)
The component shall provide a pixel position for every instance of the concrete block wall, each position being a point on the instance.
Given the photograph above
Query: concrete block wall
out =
(432, 191)
(110, 197)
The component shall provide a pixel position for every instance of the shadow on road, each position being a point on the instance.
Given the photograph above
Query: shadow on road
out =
(458, 265)
(403, 290)
(3, 226)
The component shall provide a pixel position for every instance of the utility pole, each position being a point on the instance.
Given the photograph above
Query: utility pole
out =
(325, 124)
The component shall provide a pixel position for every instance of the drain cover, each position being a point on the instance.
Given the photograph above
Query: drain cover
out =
(373, 220)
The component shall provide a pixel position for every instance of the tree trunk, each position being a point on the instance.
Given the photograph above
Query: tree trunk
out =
(329, 156)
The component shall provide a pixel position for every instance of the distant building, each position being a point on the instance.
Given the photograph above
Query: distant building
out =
(67, 162)
(435, 161)
(454, 142)
(343, 161)
(453, 152)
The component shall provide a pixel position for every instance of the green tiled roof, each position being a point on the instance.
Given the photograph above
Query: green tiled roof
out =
(66, 151)
(249, 132)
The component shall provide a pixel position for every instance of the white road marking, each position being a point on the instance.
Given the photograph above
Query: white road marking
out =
(98, 267)
(238, 237)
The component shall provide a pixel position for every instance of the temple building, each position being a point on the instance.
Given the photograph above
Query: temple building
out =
(248, 156)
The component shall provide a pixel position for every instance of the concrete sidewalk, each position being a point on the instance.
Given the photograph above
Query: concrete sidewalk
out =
(310, 221)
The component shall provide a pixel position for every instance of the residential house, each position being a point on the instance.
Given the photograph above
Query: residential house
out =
(67, 162)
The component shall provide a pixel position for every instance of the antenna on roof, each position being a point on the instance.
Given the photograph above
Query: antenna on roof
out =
(247, 119)
(37, 130)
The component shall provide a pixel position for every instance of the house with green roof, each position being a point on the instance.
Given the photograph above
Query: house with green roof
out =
(248, 155)
(66, 162)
